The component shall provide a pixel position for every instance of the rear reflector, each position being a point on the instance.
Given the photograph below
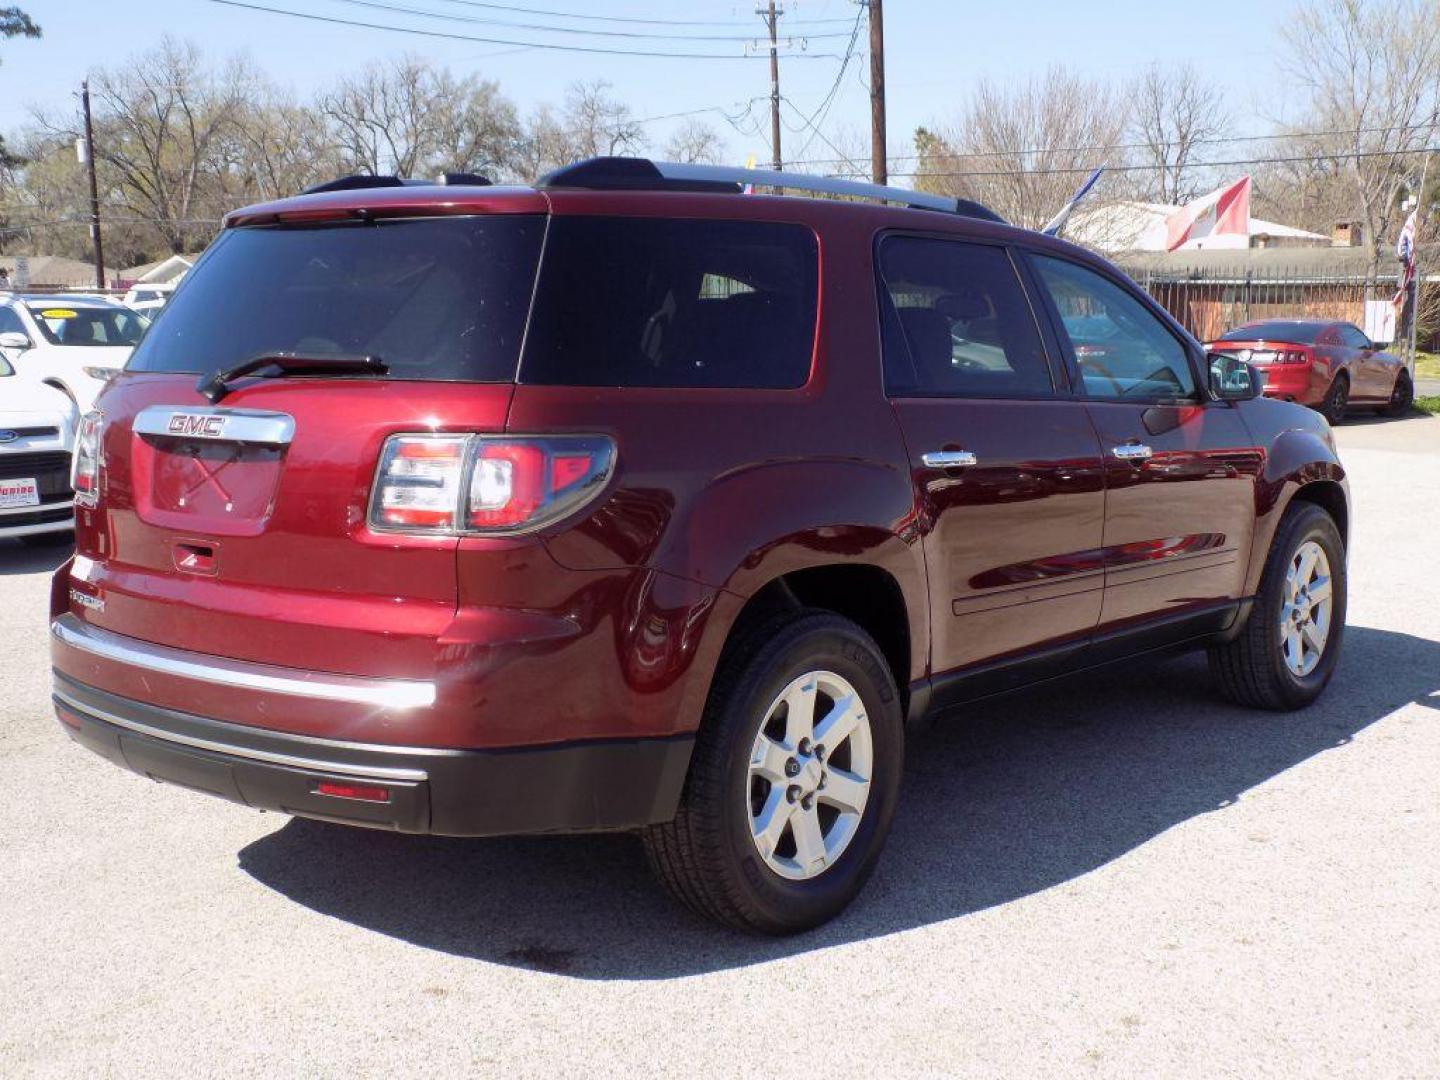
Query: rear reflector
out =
(362, 792)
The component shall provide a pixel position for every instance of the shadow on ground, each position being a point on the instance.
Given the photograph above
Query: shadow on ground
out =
(18, 558)
(1023, 794)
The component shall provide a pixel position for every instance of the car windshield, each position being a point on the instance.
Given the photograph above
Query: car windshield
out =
(1298, 333)
(69, 325)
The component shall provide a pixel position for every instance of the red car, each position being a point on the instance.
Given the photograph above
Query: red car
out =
(1326, 365)
(632, 502)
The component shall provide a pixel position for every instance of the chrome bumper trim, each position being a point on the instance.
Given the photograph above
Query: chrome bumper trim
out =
(219, 671)
(371, 772)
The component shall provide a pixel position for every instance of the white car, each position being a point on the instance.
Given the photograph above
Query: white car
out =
(37, 435)
(149, 298)
(73, 343)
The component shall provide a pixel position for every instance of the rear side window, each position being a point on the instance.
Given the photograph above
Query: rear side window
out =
(434, 298)
(957, 322)
(677, 303)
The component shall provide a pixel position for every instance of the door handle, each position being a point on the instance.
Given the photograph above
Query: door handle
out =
(948, 459)
(1132, 452)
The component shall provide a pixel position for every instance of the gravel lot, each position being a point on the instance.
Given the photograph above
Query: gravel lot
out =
(1105, 878)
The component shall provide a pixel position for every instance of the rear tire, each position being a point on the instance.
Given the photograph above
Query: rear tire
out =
(1259, 668)
(710, 857)
(1336, 399)
(1402, 397)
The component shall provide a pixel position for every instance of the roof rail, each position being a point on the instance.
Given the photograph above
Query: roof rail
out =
(360, 181)
(641, 174)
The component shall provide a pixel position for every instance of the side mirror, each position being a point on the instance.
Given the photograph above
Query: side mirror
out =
(14, 339)
(1232, 379)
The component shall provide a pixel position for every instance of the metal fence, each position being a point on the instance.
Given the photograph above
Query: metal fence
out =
(1209, 302)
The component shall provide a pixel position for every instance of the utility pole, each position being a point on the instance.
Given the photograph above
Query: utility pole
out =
(94, 188)
(879, 171)
(771, 15)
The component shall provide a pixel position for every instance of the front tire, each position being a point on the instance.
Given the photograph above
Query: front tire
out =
(1287, 651)
(777, 831)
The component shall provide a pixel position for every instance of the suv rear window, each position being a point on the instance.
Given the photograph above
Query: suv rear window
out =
(678, 303)
(434, 298)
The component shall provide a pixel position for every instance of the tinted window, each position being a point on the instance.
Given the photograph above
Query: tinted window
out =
(435, 298)
(1296, 333)
(1352, 336)
(658, 302)
(957, 322)
(64, 324)
(10, 322)
(1122, 349)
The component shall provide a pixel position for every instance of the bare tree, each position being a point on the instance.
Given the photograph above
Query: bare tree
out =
(1173, 111)
(1371, 72)
(1022, 148)
(282, 146)
(598, 123)
(382, 116)
(163, 120)
(695, 141)
(407, 117)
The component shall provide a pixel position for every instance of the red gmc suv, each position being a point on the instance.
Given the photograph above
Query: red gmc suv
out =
(633, 502)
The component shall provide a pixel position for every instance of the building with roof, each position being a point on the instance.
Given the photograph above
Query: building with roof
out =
(1141, 226)
(47, 272)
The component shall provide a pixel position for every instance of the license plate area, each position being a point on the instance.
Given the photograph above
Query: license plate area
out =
(212, 487)
(22, 491)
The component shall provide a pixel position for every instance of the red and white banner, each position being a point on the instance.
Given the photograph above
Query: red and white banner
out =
(1224, 211)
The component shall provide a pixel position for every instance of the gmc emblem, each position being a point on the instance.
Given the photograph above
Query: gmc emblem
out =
(203, 425)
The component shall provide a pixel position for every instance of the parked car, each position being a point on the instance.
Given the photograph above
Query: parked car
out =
(149, 298)
(73, 343)
(632, 502)
(1322, 363)
(37, 430)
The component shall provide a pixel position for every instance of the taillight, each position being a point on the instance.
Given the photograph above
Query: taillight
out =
(486, 484)
(85, 464)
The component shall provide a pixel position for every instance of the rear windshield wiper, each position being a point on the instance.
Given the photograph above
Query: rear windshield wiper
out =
(216, 386)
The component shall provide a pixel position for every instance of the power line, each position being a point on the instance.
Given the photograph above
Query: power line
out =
(549, 46)
(541, 28)
(818, 116)
(1218, 141)
(1350, 155)
(620, 18)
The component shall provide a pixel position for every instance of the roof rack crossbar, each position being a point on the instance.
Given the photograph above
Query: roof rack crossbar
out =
(614, 173)
(826, 185)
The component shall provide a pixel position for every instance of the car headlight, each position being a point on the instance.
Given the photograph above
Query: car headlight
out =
(104, 374)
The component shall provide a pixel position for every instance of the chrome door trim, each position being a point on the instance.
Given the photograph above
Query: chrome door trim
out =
(219, 671)
(949, 459)
(370, 772)
(216, 424)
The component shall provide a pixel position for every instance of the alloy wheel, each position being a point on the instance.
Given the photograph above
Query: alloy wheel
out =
(811, 765)
(1305, 609)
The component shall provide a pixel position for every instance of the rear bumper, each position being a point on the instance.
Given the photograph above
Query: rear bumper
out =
(576, 787)
(1294, 382)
